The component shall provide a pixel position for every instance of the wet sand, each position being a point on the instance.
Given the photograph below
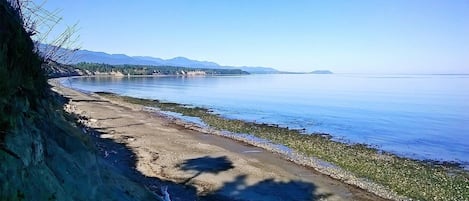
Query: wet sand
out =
(217, 167)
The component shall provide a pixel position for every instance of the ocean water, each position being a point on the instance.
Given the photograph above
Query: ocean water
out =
(418, 116)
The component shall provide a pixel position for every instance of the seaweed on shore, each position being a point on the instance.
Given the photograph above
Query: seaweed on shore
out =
(415, 179)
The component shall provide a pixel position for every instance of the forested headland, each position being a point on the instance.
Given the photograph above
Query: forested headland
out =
(54, 69)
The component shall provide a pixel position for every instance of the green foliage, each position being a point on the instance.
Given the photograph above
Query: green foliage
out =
(152, 70)
(415, 179)
(22, 81)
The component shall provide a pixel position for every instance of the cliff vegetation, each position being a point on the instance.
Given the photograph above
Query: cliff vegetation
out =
(43, 154)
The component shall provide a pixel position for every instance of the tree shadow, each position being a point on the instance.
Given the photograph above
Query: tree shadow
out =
(240, 189)
(206, 164)
(266, 190)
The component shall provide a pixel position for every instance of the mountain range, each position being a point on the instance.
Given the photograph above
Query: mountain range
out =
(117, 59)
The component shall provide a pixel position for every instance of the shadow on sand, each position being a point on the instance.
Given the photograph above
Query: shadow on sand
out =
(206, 164)
(268, 189)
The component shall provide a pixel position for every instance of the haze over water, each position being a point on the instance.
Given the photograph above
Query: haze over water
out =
(421, 116)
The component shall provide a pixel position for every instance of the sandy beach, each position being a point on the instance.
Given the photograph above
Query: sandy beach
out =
(195, 165)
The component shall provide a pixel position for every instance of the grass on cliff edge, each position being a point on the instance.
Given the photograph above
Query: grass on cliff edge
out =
(415, 179)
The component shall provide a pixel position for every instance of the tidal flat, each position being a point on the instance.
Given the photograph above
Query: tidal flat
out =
(414, 179)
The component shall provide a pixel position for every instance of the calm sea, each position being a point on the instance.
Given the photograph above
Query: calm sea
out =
(419, 116)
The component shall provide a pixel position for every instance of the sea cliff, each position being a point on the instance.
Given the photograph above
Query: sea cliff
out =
(43, 153)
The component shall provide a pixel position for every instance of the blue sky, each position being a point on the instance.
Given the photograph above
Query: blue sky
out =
(408, 36)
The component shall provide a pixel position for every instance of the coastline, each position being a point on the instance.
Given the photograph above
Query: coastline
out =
(427, 133)
(256, 164)
(321, 166)
(378, 172)
(301, 158)
(288, 154)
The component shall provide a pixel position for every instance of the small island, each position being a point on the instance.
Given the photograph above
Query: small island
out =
(321, 72)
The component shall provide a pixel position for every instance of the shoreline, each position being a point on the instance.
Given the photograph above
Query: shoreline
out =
(382, 173)
(413, 140)
(198, 124)
(257, 164)
(326, 168)
(288, 154)
(321, 166)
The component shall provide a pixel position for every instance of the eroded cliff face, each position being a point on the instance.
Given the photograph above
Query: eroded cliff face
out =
(52, 160)
(43, 154)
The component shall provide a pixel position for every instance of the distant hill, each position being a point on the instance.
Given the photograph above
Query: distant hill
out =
(121, 59)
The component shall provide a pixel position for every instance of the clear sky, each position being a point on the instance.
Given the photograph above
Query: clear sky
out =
(376, 36)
